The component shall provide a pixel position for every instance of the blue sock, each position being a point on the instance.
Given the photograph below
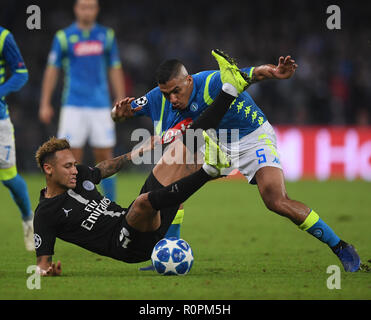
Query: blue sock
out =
(109, 188)
(18, 189)
(314, 225)
(173, 231)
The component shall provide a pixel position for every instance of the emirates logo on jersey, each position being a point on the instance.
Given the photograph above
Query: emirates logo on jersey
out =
(88, 48)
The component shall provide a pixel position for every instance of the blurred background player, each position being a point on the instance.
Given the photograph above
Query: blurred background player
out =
(11, 57)
(86, 51)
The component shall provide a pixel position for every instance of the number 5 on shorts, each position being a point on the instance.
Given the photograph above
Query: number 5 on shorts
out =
(261, 156)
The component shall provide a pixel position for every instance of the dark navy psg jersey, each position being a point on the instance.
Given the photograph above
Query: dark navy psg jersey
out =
(81, 216)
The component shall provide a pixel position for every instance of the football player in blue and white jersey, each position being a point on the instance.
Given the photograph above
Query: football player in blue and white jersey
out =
(181, 98)
(87, 52)
(11, 57)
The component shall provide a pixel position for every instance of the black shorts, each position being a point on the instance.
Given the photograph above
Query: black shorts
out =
(133, 246)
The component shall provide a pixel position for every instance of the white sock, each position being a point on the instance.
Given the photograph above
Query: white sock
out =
(210, 170)
(230, 89)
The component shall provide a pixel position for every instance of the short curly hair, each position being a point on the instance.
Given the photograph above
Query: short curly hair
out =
(47, 150)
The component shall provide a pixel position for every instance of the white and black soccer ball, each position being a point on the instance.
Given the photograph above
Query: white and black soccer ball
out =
(172, 257)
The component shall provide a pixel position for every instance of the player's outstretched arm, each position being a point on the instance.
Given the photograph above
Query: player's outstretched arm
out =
(45, 266)
(122, 110)
(284, 70)
(111, 166)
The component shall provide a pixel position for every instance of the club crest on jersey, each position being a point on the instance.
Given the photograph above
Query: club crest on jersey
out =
(88, 48)
(194, 107)
(142, 101)
(88, 185)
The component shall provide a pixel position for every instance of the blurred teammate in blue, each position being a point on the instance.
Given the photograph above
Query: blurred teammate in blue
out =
(11, 57)
(180, 98)
(87, 52)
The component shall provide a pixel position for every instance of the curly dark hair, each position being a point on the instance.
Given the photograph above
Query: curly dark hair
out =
(47, 150)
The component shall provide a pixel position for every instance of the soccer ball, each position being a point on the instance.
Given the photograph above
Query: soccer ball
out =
(172, 257)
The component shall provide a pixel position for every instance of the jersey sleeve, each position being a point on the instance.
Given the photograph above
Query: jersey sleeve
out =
(44, 233)
(13, 55)
(59, 45)
(15, 62)
(213, 86)
(248, 70)
(92, 174)
(113, 55)
(151, 104)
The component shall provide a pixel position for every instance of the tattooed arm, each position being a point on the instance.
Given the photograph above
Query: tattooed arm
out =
(285, 69)
(112, 166)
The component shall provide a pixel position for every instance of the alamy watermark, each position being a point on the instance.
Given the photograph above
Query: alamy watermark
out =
(193, 140)
(333, 22)
(34, 19)
(334, 280)
(34, 280)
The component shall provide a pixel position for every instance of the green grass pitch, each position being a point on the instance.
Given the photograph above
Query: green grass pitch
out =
(242, 251)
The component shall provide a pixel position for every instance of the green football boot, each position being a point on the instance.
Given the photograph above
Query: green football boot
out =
(214, 156)
(229, 72)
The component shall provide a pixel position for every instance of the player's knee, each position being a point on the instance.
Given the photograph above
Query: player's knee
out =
(142, 204)
(276, 204)
(270, 204)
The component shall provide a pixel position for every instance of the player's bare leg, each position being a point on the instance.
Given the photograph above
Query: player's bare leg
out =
(167, 174)
(172, 167)
(271, 185)
(142, 216)
(176, 163)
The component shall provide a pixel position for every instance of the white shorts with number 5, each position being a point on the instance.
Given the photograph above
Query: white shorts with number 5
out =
(252, 152)
(82, 124)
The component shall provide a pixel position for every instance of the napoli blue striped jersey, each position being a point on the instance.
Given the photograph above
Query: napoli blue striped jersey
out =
(85, 56)
(243, 113)
(10, 57)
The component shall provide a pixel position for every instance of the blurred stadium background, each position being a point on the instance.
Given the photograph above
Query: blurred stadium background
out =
(331, 86)
(322, 119)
